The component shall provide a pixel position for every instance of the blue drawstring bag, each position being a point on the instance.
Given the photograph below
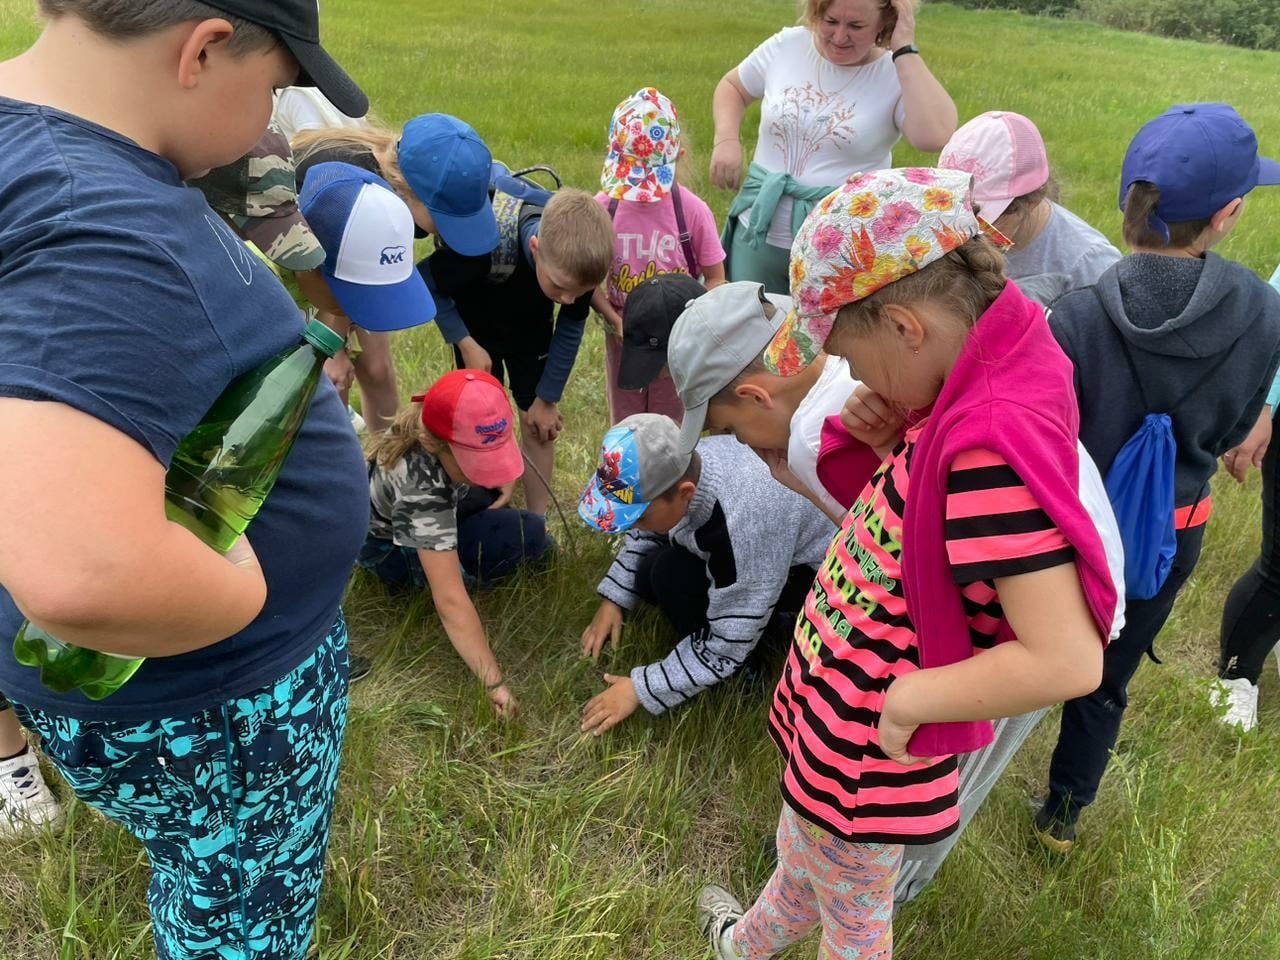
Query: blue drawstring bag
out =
(1140, 487)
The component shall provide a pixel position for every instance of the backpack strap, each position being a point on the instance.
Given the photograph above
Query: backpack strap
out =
(686, 238)
(1194, 512)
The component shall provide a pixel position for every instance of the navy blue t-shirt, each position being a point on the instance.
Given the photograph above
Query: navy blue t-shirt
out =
(123, 295)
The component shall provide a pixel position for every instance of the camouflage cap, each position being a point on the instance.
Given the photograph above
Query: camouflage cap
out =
(259, 193)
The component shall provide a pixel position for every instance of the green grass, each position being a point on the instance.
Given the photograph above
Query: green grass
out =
(459, 837)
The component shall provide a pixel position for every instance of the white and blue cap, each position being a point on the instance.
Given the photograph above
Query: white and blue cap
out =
(367, 235)
(640, 459)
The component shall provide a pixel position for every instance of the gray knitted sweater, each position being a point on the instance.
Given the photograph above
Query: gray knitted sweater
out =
(751, 531)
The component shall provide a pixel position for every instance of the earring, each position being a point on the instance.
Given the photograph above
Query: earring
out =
(915, 351)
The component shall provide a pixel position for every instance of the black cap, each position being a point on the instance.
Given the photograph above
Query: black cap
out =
(297, 24)
(651, 311)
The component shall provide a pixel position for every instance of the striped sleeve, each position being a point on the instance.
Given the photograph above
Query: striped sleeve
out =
(619, 584)
(995, 527)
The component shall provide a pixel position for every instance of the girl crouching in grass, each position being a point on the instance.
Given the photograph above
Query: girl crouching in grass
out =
(458, 433)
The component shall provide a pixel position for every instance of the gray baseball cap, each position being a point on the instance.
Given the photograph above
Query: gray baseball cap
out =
(717, 337)
(640, 459)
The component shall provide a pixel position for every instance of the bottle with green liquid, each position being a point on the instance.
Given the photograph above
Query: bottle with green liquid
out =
(219, 477)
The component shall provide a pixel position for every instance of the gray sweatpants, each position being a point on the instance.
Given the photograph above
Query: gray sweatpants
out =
(979, 772)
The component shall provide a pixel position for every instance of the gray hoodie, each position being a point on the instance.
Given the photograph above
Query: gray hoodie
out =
(1208, 357)
(750, 530)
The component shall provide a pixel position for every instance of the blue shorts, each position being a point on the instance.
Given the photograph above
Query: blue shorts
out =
(232, 806)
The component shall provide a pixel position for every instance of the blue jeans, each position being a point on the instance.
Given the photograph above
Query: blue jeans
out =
(232, 806)
(491, 544)
(1091, 724)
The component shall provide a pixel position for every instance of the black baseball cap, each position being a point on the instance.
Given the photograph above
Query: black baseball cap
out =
(651, 311)
(297, 24)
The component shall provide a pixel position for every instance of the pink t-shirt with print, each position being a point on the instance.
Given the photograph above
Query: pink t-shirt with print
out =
(647, 241)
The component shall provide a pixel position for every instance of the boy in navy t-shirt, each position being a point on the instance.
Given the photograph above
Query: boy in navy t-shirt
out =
(129, 306)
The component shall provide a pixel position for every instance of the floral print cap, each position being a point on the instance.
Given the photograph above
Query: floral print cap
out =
(644, 142)
(877, 228)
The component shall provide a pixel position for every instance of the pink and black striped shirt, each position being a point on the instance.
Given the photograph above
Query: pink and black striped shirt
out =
(854, 637)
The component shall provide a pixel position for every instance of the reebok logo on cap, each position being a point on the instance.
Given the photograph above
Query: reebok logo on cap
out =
(492, 432)
(469, 410)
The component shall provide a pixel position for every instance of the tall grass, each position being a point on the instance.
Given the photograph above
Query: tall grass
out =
(457, 837)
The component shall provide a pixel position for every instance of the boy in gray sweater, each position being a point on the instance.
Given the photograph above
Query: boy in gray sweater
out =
(714, 542)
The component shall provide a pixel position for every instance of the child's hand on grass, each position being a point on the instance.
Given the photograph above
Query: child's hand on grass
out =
(610, 708)
(504, 702)
(605, 625)
(870, 418)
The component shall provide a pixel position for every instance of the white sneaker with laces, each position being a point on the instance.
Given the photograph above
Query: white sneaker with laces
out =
(25, 800)
(357, 421)
(718, 910)
(1237, 700)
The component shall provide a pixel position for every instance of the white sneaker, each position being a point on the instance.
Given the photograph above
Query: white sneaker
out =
(718, 910)
(357, 421)
(25, 799)
(1237, 700)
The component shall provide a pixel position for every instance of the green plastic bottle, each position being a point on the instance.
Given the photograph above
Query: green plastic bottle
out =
(219, 477)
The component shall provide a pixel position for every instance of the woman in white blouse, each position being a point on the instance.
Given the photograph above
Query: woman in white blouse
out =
(838, 91)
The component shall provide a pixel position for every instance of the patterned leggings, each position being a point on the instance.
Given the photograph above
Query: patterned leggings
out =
(232, 806)
(821, 879)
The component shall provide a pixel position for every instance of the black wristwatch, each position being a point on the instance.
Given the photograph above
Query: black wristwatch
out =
(903, 51)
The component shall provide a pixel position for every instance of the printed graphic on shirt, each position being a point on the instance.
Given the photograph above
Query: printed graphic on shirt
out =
(855, 637)
(234, 248)
(658, 253)
(808, 119)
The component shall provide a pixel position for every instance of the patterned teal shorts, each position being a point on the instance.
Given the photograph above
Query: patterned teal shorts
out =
(232, 805)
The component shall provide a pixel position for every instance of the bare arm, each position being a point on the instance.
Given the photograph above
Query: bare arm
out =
(601, 305)
(728, 106)
(1057, 656)
(713, 276)
(86, 551)
(458, 613)
(931, 116)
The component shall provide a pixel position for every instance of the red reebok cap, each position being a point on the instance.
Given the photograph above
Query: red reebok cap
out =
(469, 410)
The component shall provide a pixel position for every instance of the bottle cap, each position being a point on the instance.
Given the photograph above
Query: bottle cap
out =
(327, 341)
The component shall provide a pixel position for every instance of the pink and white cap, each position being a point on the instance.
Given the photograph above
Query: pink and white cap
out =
(1005, 153)
(469, 410)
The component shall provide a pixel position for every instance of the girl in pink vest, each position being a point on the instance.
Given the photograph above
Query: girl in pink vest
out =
(976, 589)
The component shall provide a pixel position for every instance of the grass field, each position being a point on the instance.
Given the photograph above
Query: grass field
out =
(460, 837)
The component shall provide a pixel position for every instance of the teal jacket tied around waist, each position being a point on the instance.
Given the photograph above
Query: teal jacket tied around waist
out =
(760, 194)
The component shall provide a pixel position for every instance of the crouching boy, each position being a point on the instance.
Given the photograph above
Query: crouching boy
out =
(717, 545)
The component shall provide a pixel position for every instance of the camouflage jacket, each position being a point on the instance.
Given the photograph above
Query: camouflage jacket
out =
(413, 504)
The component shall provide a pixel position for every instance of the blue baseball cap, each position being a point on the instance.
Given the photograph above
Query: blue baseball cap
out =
(367, 235)
(640, 459)
(1201, 156)
(447, 165)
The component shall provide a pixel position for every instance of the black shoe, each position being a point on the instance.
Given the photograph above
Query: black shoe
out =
(1055, 833)
(359, 669)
